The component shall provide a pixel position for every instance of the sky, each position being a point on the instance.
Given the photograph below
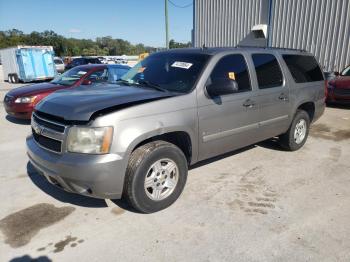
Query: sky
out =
(138, 21)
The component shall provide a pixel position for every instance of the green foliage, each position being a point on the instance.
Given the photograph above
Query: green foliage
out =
(72, 46)
(173, 44)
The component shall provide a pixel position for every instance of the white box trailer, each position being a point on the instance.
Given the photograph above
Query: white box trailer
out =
(28, 63)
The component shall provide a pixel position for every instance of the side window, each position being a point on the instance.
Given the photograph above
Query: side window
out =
(99, 76)
(268, 71)
(232, 67)
(303, 68)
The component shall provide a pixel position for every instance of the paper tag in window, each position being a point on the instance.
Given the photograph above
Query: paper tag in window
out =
(232, 75)
(183, 65)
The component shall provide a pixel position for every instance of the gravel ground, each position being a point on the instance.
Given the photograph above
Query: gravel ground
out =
(256, 204)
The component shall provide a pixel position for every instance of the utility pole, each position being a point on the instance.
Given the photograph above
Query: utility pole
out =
(166, 25)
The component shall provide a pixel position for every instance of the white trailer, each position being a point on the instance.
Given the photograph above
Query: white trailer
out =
(28, 63)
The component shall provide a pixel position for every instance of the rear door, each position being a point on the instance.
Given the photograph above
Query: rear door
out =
(38, 63)
(273, 95)
(229, 121)
(25, 63)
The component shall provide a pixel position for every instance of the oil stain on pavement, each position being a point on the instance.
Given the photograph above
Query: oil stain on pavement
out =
(60, 245)
(20, 227)
(323, 131)
(72, 241)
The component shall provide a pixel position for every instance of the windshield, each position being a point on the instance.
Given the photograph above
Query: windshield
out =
(70, 77)
(175, 72)
(346, 71)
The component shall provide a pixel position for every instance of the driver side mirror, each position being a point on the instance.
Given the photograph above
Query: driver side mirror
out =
(220, 87)
(86, 82)
(336, 73)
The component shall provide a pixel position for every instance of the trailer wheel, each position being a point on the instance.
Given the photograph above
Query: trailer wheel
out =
(9, 78)
(15, 78)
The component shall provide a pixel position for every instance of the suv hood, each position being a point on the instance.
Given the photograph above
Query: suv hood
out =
(82, 102)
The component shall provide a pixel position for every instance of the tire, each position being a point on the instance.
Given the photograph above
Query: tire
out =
(15, 78)
(145, 162)
(294, 139)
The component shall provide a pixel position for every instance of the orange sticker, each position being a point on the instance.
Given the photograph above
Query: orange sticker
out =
(141, 69)
(232, 75)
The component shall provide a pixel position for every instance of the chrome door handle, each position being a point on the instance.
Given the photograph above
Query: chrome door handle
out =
(283, 97)
(249, 103)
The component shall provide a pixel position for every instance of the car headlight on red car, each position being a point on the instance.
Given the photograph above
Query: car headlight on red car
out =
(25, 99)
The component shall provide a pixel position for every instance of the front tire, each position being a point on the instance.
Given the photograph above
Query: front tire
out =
(155, 177)
(297, 133)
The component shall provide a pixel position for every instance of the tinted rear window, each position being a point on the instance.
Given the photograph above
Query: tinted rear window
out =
(303, 68)
(268, 71)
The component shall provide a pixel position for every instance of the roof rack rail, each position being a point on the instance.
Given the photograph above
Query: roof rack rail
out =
(264, 47)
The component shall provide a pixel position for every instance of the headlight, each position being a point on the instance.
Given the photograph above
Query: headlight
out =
(25, 99)
(90, 140)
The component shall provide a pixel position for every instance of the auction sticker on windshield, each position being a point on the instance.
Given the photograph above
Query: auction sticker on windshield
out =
(183, 65)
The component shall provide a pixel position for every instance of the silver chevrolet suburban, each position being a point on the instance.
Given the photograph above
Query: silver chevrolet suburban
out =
(135, 139)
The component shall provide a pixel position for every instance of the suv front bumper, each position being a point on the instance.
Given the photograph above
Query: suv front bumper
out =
(99, 176)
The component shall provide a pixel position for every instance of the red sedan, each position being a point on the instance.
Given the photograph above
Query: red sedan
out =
(339, 88)
(20, 102)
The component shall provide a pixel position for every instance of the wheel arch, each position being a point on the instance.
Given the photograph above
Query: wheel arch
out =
(309, 107)
(182, 138)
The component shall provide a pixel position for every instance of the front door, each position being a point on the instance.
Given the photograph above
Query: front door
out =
(230, 121)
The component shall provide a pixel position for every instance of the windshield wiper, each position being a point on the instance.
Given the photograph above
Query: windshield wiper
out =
(152, 85)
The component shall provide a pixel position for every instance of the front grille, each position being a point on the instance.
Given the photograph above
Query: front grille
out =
(342, 91)
(48, 133)
(43, 122)
(47, 142)
(50, 117)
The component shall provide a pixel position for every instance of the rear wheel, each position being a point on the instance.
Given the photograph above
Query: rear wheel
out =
(15, 78)
(155, 177)
(297, 133)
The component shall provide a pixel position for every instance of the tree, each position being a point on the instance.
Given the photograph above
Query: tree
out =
(173, 44)
(102, 46)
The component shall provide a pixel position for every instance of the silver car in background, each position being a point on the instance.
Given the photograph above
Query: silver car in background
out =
(59, 64)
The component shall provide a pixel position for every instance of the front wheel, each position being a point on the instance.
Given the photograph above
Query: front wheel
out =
(297, 133)
(155, 177)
